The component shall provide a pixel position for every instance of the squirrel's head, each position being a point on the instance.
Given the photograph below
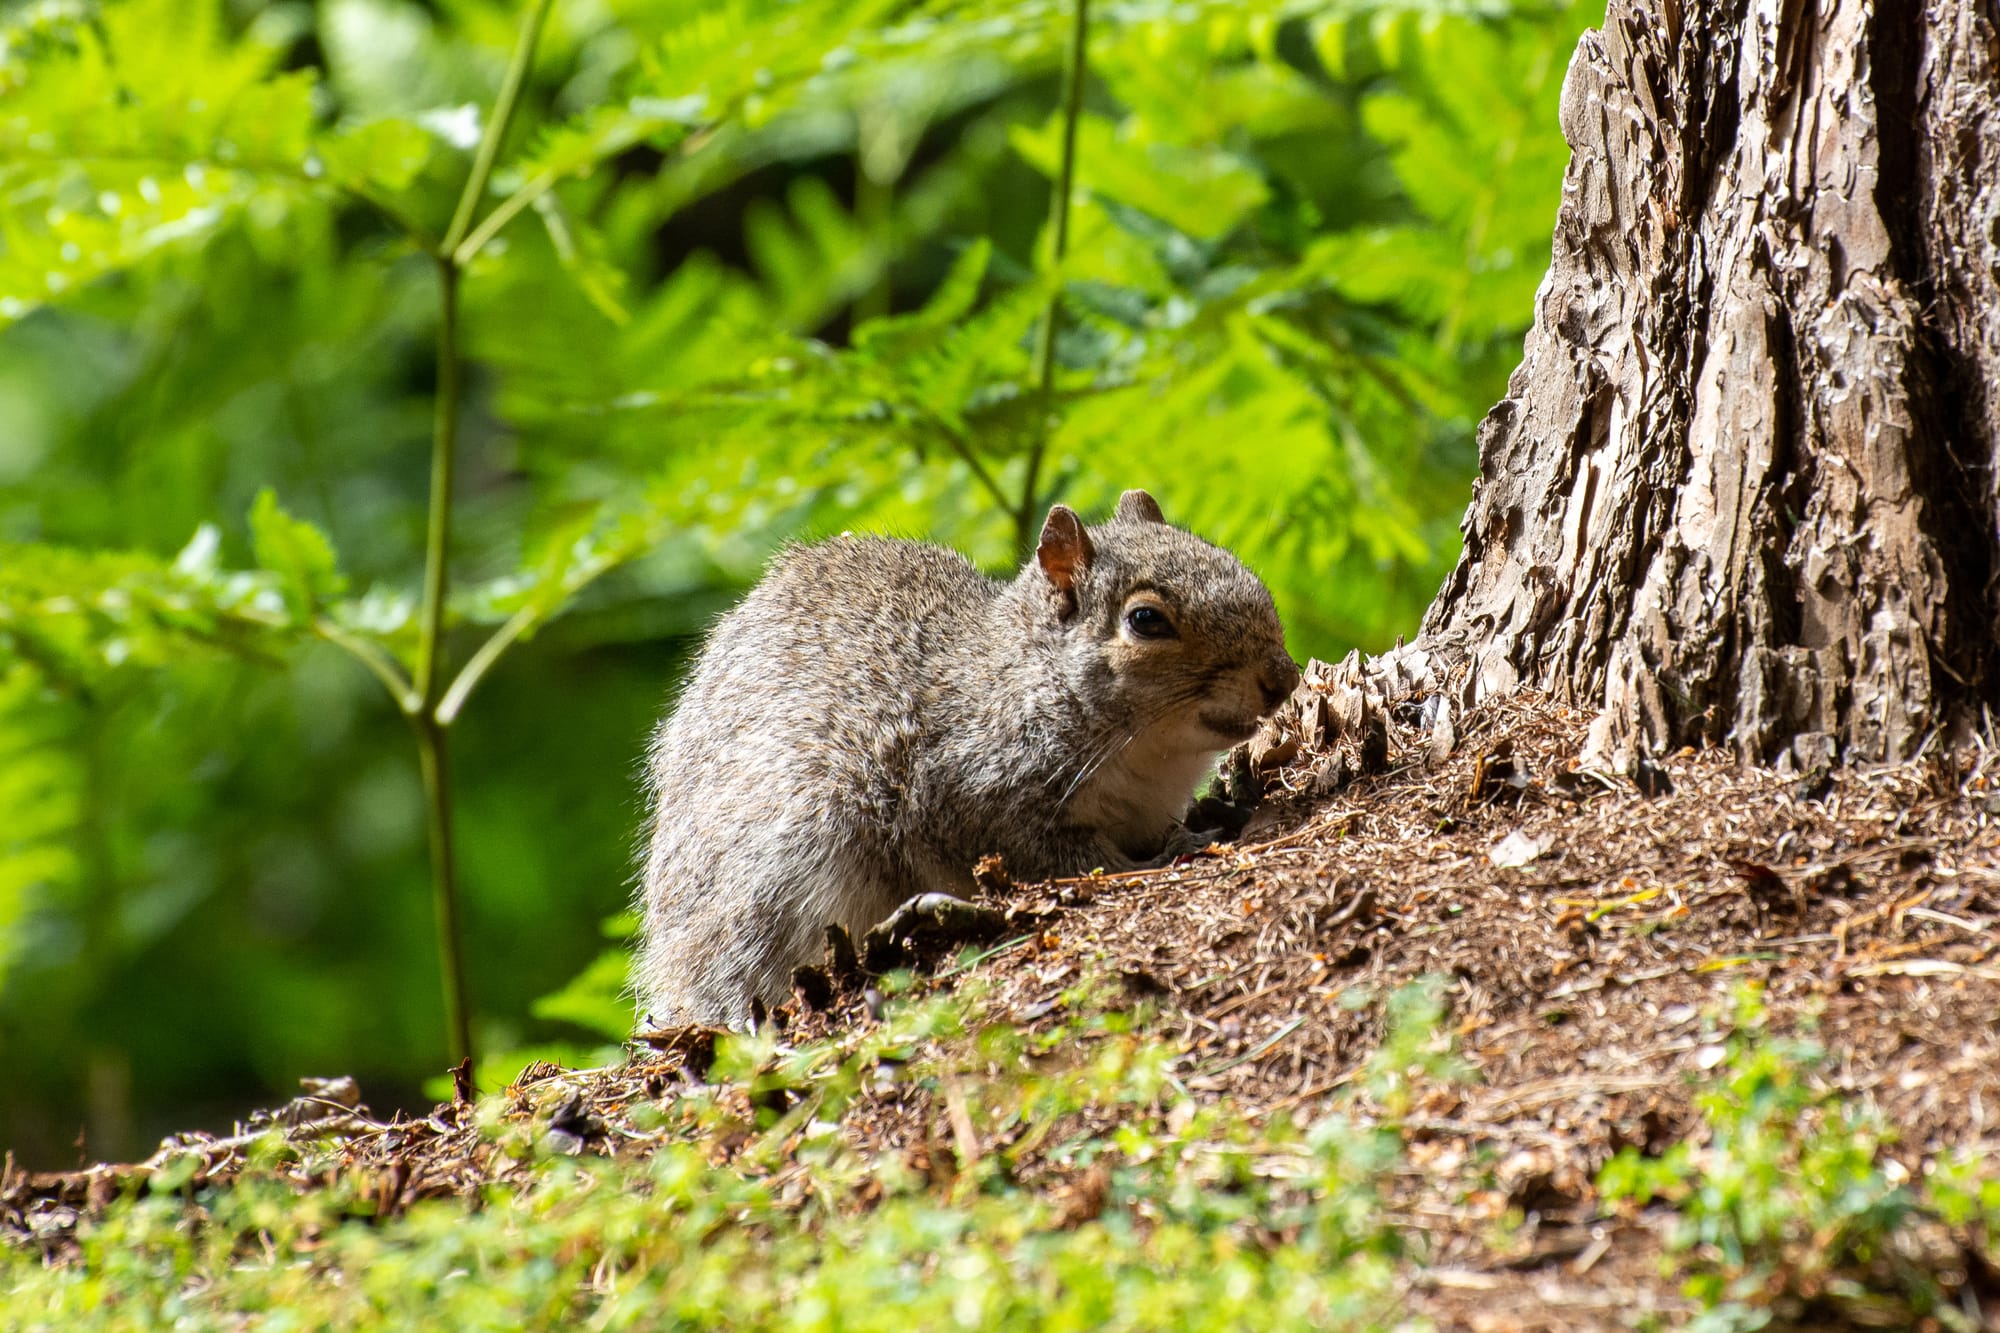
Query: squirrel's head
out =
(1159, 621)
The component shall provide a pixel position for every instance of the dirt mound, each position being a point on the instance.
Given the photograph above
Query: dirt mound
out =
(1587, 930)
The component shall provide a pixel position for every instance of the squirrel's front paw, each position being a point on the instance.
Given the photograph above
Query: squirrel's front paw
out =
(925, 926)
(1185, 841)
(1219, 818)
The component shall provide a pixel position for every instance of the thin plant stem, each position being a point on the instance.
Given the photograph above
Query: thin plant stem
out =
(432, 753)
(534, 188)
(496, 130)
(374, 658)
(963, 448)
(1045, 350)
(501, 215)
(482, 660)
(437, 531)
(434, 762)
(431, 726)
(874, 202)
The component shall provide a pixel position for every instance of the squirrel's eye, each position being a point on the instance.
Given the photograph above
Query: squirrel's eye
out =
(1149, 622)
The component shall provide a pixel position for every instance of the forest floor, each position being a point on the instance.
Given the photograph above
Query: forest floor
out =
(1596, 941)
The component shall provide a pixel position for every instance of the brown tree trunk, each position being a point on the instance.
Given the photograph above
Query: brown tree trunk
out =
(1743, 487)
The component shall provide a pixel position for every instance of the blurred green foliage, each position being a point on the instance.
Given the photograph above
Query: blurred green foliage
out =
(747, 270)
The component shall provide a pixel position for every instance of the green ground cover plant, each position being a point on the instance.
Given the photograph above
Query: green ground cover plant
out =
(1108, 1198)
(1787, 1201)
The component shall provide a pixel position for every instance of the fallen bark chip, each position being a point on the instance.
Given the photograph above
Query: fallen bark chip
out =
(1040, 1009)
(1373, 753)
(324, 1099)
(1273, 747)
(1437, 723)
(990, 877)
(1332, 775)
(1574, 783)
(692, 1046)
(340, 1091)
(1316, 725)
(843, 962)
(1814, 786)
(1515, 850)
(571, 1125)
(813, 987)
(391, 1193)
(1650, 777)
(1495, 775)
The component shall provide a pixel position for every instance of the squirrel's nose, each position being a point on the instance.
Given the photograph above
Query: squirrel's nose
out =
(1280, 678)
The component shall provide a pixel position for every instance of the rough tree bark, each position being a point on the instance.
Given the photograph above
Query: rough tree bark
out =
(1743, 487)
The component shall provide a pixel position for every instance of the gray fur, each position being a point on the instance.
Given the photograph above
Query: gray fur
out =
(877, 715)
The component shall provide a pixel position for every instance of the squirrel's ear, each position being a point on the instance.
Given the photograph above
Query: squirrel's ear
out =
(1065, 551)
(1139, 507)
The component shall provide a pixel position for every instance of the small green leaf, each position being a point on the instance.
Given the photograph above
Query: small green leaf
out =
(382, 155)
(595, 999)
(951, 302)
(298, 553)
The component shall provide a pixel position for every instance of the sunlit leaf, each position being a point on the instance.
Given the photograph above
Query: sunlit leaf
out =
(298, 553)
(596, 999)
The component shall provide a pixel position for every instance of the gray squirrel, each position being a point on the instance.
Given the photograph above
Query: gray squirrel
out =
(877, 715)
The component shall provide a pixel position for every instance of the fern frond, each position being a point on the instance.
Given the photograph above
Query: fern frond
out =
(83, 614)
(142, 128)
(41, 801)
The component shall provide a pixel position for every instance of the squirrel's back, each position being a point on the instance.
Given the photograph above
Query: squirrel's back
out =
(850, 626)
